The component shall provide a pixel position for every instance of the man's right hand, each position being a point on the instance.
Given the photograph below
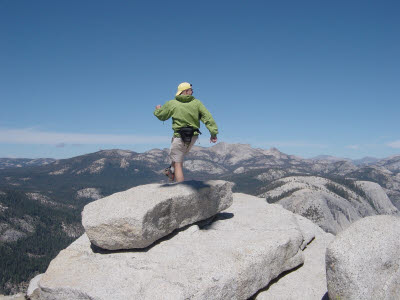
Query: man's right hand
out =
(158, 106)
(213, 139)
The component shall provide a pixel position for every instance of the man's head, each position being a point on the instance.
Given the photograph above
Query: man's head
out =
(185, 88)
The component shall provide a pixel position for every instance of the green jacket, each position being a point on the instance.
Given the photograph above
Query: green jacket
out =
(186, 111)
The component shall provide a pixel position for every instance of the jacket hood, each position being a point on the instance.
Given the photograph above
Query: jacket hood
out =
(184, 98)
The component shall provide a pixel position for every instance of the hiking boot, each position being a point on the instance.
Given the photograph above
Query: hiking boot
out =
(168, 172)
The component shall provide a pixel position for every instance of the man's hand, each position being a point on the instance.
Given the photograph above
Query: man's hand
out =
(213, 139)
(158, 106)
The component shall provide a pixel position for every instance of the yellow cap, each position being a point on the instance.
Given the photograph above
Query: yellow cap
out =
(183, 87)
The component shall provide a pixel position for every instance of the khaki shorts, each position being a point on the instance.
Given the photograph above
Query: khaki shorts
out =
(179, 149)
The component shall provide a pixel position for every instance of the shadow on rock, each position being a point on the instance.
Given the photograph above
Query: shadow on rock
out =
(208, 223)
(275, 280)
(325, 297)
(203, 225)
(194, 184)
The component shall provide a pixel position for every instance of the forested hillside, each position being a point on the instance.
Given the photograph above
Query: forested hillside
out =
(32, 235)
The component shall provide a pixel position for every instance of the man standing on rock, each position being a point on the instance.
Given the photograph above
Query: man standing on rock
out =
(186, 112)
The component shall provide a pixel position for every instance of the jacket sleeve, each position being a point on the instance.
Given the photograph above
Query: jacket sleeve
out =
(207, 119)
(165, 112)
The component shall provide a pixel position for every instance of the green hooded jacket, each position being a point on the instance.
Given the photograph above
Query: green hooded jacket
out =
(185, 111)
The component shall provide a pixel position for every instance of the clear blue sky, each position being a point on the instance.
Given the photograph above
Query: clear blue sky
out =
(307, 77)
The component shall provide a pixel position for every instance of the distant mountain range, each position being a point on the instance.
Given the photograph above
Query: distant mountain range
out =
(358, 162)
(78, 180)
(23, 162)
(41, 199)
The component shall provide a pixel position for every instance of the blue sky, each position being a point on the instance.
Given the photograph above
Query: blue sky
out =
(306, 77)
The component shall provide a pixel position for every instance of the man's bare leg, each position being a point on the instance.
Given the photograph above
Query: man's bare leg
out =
(178, 171)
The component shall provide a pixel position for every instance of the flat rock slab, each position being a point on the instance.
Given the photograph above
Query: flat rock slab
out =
(138, 217)
(308, 281)
(363, 261)
(233, 257)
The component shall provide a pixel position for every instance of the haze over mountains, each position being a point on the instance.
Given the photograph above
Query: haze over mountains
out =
(41, 200)
(23, 162)
(358, 162)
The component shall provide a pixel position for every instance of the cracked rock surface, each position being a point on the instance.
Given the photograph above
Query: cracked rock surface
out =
(234, 256)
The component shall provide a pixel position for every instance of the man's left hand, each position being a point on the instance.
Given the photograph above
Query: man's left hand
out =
(213, 139)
